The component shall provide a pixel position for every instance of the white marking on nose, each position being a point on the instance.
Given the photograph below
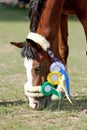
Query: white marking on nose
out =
(28, 66)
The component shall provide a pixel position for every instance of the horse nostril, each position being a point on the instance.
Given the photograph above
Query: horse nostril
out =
(38, 106)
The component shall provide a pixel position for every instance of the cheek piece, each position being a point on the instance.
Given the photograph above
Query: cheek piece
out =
(57, 69)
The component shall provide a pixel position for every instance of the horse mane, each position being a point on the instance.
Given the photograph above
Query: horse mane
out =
(35, 11)
(30, 48)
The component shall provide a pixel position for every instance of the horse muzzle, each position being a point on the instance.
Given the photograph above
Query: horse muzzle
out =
(36, 99)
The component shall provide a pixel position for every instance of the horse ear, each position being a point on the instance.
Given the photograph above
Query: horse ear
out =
(17, 44)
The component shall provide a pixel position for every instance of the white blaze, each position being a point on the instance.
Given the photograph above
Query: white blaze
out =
(28, 66)
(28, 85)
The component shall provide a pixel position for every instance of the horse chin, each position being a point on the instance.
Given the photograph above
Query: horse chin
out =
(39, 103)
(36, 99)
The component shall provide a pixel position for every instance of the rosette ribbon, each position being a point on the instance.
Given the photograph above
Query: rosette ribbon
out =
(48, 89)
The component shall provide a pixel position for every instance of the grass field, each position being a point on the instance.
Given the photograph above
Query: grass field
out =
(14, 111)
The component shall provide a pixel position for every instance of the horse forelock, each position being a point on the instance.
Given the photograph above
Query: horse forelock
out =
(28, 51)
(35, 11)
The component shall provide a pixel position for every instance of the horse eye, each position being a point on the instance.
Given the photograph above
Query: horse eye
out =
(37, 68)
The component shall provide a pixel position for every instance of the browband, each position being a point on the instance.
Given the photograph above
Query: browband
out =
(39, 39)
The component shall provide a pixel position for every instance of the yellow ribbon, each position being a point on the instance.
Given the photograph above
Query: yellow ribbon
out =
(61, 84)
(53, 77)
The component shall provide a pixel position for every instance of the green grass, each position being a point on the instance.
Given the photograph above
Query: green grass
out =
(14, 111)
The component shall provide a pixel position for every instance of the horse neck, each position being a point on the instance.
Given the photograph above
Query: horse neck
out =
(49, 23)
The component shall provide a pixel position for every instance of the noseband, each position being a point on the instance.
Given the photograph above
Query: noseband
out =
(57, 69)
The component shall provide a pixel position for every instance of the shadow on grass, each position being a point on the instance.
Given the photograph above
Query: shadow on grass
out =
(79, 104)
(12, 103)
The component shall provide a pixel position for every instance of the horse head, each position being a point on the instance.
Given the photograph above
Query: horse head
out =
(36, 62)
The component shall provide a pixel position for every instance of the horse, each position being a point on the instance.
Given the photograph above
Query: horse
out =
(48, 31)
(44, 23)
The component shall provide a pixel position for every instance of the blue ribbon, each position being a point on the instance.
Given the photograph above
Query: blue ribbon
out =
(66, 80)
